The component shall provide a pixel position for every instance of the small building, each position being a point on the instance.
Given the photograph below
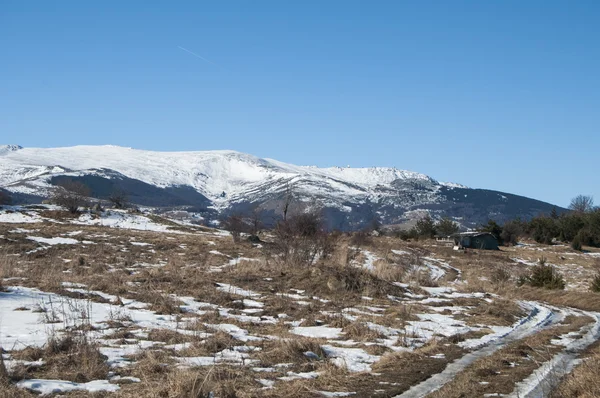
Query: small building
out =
(476, 240)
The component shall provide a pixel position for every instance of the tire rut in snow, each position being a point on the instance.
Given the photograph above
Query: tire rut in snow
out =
(540, 317)
(544, 379)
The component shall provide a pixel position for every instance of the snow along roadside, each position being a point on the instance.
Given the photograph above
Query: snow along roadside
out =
(540, 317)
(549, 375)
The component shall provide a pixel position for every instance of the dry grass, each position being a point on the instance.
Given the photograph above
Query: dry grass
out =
(583, 382)
(289, 350)
(72, 358)
(359, 331)
(183, 265)
(499, 372)
(499, 312)
(587, 301)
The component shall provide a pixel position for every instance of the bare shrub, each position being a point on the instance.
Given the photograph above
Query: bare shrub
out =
(301, 239)
(235, 225)
(71, 195)
(119, 199)
(500, 275)
(361, 238)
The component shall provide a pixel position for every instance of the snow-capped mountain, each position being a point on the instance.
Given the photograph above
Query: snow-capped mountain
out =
(220, 182)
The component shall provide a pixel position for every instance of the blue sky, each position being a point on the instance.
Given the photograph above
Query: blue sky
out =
(493, 94)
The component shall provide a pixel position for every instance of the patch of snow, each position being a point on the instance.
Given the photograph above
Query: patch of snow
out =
(54, 241)
(47, 387)
(224, 287)
(353, 359)
(324, 332)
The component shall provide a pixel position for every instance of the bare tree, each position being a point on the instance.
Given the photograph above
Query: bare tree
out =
(119, 199)
(582, 203)
(235, 225)
(289, 197)
(71, 194)
(256, 221)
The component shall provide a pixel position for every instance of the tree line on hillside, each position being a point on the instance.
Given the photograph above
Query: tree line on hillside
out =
(580, 226)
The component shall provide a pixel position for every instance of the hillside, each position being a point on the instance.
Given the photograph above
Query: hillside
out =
(127, 305)
(215, 183)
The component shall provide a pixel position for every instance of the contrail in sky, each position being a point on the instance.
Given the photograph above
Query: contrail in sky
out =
(196, 55)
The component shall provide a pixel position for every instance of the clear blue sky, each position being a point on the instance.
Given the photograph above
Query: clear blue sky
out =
(493, 94)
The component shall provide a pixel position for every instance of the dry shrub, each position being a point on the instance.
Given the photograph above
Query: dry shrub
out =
(215, 381)
(389, 272)
(219, 341)
(500, 312)
(73, 358)
(361, 281)
(169, 336)
(8, 267)
(162, 303)
(500, 275)
(289, 350)
(337, 321)
(301, 239)
(396, 360)
(399, 312)
(10, 391)
(150, 363)
(361, 238)
(361, 332)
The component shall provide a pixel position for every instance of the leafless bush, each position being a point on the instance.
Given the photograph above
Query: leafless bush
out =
(301, 239)
(500, 275)
(71, 195)
(118, 199)
(361, 238)
(235, 225)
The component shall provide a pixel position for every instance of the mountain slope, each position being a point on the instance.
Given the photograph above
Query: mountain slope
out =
(220, 182)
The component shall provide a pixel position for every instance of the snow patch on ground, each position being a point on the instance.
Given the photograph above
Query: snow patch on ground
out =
(47, 387)
(54, 241)
(323, 332)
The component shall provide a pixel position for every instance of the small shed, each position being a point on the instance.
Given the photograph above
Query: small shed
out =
(476, 240)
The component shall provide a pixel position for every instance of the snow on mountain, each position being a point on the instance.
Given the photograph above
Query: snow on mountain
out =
(217, 183)
(219, 175)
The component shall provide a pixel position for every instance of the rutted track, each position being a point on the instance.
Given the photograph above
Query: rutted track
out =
(544, 379)
(540, 317)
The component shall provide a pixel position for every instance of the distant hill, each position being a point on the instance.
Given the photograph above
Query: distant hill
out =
(217, 183)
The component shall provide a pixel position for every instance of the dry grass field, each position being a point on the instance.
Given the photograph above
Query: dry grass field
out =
(126, 305)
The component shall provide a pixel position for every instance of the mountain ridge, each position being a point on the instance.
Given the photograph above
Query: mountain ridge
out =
(227, 181)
